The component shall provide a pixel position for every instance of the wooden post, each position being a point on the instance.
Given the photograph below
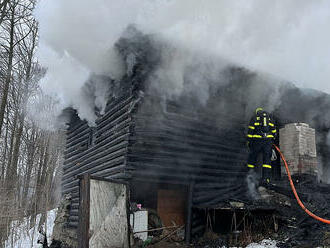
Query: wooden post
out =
(84, 206)
(189, 213)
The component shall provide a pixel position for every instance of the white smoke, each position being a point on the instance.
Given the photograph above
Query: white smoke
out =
(286, 38)
(252, 183)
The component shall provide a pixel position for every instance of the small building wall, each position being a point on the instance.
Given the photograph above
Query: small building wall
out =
(297, 142)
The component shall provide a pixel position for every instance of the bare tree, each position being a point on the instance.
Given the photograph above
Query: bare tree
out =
(30, 158)
(3, 9)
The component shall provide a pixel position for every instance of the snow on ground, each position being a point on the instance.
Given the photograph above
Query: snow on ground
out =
(27, 238)
(23, 237)
(266, 243)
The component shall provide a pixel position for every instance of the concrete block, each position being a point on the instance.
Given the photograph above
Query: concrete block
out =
(297, 142)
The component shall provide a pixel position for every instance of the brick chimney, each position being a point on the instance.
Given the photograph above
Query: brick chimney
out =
(297, 143)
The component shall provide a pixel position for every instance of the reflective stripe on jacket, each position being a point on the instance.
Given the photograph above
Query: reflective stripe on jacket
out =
(261, 126)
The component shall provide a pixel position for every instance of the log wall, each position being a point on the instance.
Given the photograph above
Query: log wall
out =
(99, 151)
(175, 146)
(141, 139)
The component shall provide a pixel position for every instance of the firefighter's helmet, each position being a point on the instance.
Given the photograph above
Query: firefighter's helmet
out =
(259, 109)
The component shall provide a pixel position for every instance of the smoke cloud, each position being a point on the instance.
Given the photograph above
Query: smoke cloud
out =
(281, 40)
(288, 39)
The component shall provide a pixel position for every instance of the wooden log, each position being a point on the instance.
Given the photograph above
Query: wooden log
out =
(83, 129)
(116, 117)
(187, 130)
(125, 96)
(108, 171)
(197, 161)
(123, 126)
(108, 155)
(74, 126)
(107, 143)
(192, 155)
(74, 143)
(173, 168)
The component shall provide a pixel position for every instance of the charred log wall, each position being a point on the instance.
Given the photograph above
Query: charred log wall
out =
(99, 151)
(171, 144)
(141, 138)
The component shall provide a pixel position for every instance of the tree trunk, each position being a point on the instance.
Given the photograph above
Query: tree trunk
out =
(5, 144)
(11, 148)
(29, 164)
(13, 167)
(9, 70)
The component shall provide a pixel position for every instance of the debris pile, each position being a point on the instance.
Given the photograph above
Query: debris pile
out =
(296, 228)
(63, 236)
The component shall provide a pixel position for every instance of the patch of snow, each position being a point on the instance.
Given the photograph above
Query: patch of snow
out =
(23, 236)
(266, 243)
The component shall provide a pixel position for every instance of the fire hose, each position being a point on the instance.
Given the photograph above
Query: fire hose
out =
(295, 192)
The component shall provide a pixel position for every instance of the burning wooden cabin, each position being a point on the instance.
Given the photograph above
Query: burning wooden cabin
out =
(175, 153)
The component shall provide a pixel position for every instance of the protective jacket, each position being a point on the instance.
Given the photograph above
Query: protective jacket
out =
(261, 127)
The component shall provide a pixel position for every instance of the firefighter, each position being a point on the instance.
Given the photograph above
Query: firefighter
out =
(261, 135)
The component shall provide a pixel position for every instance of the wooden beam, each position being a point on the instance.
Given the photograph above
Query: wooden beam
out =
(84, 207)
(189, 213)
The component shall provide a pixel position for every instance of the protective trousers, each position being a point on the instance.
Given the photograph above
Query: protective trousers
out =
(263, 146)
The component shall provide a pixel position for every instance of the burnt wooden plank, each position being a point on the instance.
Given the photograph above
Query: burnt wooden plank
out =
(84, 211)
(141, 151)
(76, 124)
(95, 150)
(113, 115)
(76, 129)
(205, 114)
(123, 127)
(178, 134)
(72, 181)
(113, 163)
(170, 142)
(116, 172)
(71, 154)
(120, 161)
(167, 175)
(174, 122)
(183, 153)
(113, 123)
(77, 133)
(105, 156)
(181, 116)
(104, 153)
(187, 169)
(77, 141)
(119, 98)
